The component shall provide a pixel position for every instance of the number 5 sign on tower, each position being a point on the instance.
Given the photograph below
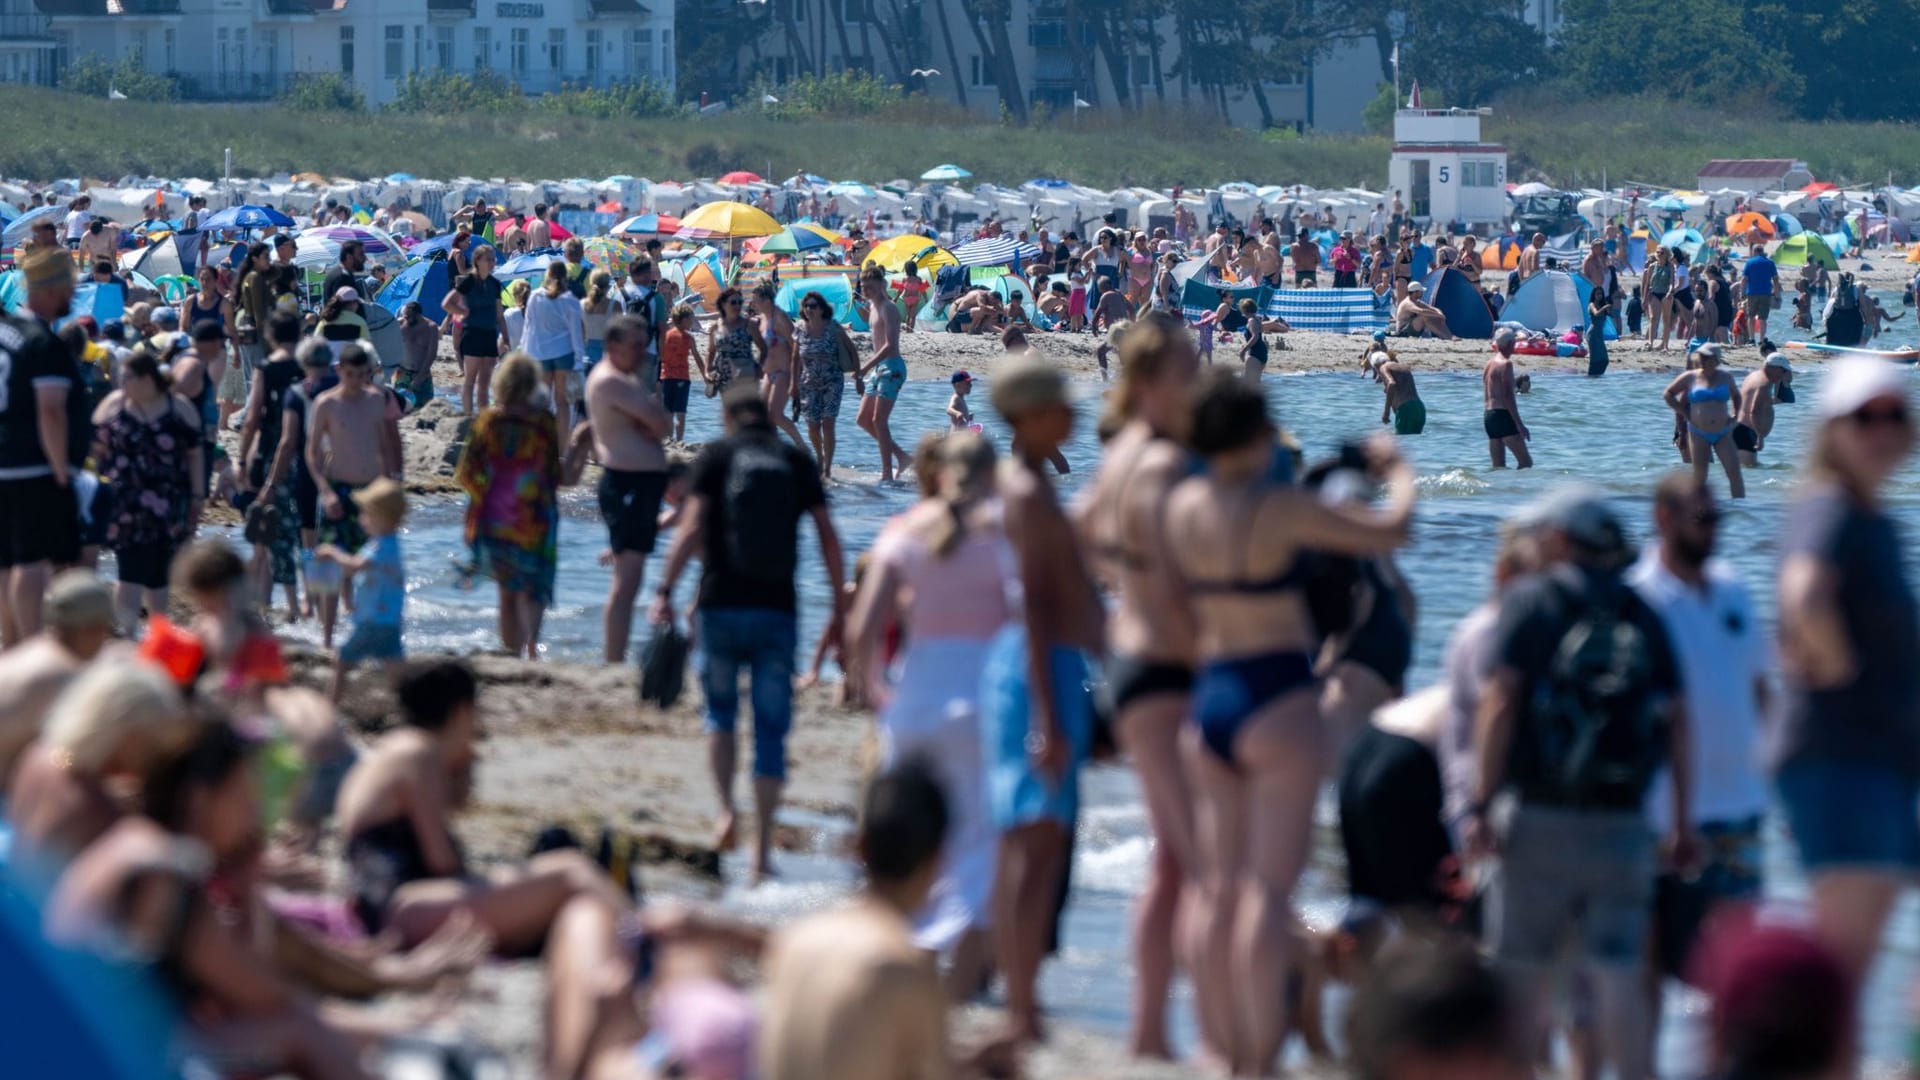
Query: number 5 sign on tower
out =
(1446, 173)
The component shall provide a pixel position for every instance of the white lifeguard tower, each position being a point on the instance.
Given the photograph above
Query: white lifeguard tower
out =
(1442, 169)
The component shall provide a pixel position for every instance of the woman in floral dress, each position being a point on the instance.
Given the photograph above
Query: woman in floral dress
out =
(513, 468)
(147, 442)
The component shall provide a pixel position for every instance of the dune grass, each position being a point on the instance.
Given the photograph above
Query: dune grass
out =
(45, 134)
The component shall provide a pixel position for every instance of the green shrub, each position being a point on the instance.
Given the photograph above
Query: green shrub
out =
(643, 99)
(443, 93)
(90, 74)
(323, 92)
(839, 95)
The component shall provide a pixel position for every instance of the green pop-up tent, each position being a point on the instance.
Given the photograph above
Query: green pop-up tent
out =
(1803, 249)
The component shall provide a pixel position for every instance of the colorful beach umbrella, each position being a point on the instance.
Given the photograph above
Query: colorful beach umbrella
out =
(376, 241)
(609, 254)
(790, 241)
(894, 253)
(946, 172)
(741, 176)
(727, 221)
(649, 224)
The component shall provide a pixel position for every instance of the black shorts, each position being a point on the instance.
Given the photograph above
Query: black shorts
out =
(1345, 279)
(1745, 438)
(630, 505)
(148, 565)
(1306, 279)
(480, 341)
(674, 393)
(39, 522)
(1499, 424)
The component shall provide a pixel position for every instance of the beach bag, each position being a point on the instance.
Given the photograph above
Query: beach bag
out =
(663, 666)
(849, 356)
(1593, 737)
(761, 507)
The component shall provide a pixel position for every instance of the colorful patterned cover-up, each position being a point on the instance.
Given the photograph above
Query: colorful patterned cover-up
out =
(511, 471)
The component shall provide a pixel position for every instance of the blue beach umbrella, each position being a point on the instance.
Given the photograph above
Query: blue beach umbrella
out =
(946, 172)
(17, 229)
(248, 216)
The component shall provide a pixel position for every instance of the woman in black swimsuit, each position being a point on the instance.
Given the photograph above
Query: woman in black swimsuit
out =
(396, 806)
(1253, 355)
(1149, 639)
(1364, 665)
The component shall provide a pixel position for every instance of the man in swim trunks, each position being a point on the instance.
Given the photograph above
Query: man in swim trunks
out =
(1753, 419)
(629, 425)
(1415, 317)
(347, 449)
(887, 370)
(1505, 431)
(1403, 406)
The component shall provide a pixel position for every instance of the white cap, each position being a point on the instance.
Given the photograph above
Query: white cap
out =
(1856, 380)
(1779, 360)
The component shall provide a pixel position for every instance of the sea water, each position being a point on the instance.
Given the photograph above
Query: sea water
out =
(1613, 433)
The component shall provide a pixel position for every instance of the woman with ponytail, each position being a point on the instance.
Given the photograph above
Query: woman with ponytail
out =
(1150, 635)
(940, 572)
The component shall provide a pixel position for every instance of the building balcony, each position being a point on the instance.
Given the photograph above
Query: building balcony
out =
(60, 9)
(24, 28)
(628, 8)
(450, 7)
(289, 7)
(231, 85)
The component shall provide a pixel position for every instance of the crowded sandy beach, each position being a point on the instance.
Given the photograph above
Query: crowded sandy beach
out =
(1218, 632)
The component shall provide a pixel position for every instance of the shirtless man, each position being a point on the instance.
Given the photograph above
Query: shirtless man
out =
(1753, 420)
(1110, 312)
(1403, 406)
(1872, 316)
(629, 425)
(887, 372)
(1269, 256)
(78, 621)
(1594, 266)
(1505, 430)
(1415, 316)
(347, 449)
(1530, 256)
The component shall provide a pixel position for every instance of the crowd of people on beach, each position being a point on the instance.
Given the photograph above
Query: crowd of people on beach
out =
(1531, 846)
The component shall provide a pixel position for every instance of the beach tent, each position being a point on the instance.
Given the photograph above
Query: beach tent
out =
(1566, 248)
(170, 256)
(426, 281)
(1687, 240)
(1551, 300)
(1453, 292)
(836, 289)
(1500, 253)
(1788, 225)
(1803, 249)
(1840, 242)
(1637, 253)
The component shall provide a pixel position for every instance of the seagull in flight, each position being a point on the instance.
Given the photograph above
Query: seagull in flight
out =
(922, 72)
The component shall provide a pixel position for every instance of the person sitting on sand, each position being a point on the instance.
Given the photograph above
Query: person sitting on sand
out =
(396, 807)
(1414, 317)
(973, 312)
(1055, 305)
(1017, 312)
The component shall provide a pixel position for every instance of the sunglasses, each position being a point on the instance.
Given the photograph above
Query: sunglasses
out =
(1890, 415)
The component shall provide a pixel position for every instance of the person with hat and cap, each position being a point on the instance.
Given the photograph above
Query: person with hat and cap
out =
(342, 319)
(44, 437)
(1415, 317)
(1702, 398)
(1753, 419)
(1036, 713)
(1374, 346)
(1581, 708)
(79, 623)
(1847, 760)
(166, 338)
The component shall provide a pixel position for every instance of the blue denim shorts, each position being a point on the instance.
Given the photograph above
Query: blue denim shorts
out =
(1847, 815)
(762, 641)
(558, 363)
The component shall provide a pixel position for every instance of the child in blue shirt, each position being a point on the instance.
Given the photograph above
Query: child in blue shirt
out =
(382, 596)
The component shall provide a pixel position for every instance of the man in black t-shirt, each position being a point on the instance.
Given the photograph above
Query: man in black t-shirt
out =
(345, 274)
(43, 408)
(1581, 709)
(746, 496)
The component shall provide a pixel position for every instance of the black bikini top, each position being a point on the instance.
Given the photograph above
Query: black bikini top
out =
(1295, 576)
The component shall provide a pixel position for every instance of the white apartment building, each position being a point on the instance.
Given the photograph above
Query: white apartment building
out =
(1057, 57)
(26, 48)
(254, 48)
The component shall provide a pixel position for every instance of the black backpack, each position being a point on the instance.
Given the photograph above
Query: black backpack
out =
(1845, 296)
(1594, 733)
(761, 510)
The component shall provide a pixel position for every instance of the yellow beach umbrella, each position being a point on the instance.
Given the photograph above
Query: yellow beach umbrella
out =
(727, 220)
(892, 254)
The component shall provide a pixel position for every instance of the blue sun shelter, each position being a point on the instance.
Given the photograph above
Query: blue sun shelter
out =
(1455, 295)
(1552, 300)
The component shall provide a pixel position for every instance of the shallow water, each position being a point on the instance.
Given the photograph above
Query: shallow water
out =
(1613, 432)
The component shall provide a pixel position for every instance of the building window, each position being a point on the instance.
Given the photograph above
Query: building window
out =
(167, 39)
(419, 47)
(593, 53)
(482, 48)
(1143, 71)
(557, 49)
(519, 48)
(1051, 34)
(857, 11)
(63, 49)
(137, 47)
(443, 47)
(1479, 174)
(982, 73)
(396, 42)
(666, 54)
(270, 49)
(240, 51)
(857, 63)
(346, 51)
(640, 54)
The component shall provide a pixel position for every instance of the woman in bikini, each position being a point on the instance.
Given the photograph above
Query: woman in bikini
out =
(1656, 291)
(776, 371)
(1257, 751)
(1149, 640)
(1703, 400)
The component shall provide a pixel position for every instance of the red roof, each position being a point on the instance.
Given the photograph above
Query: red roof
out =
(1770, 167)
